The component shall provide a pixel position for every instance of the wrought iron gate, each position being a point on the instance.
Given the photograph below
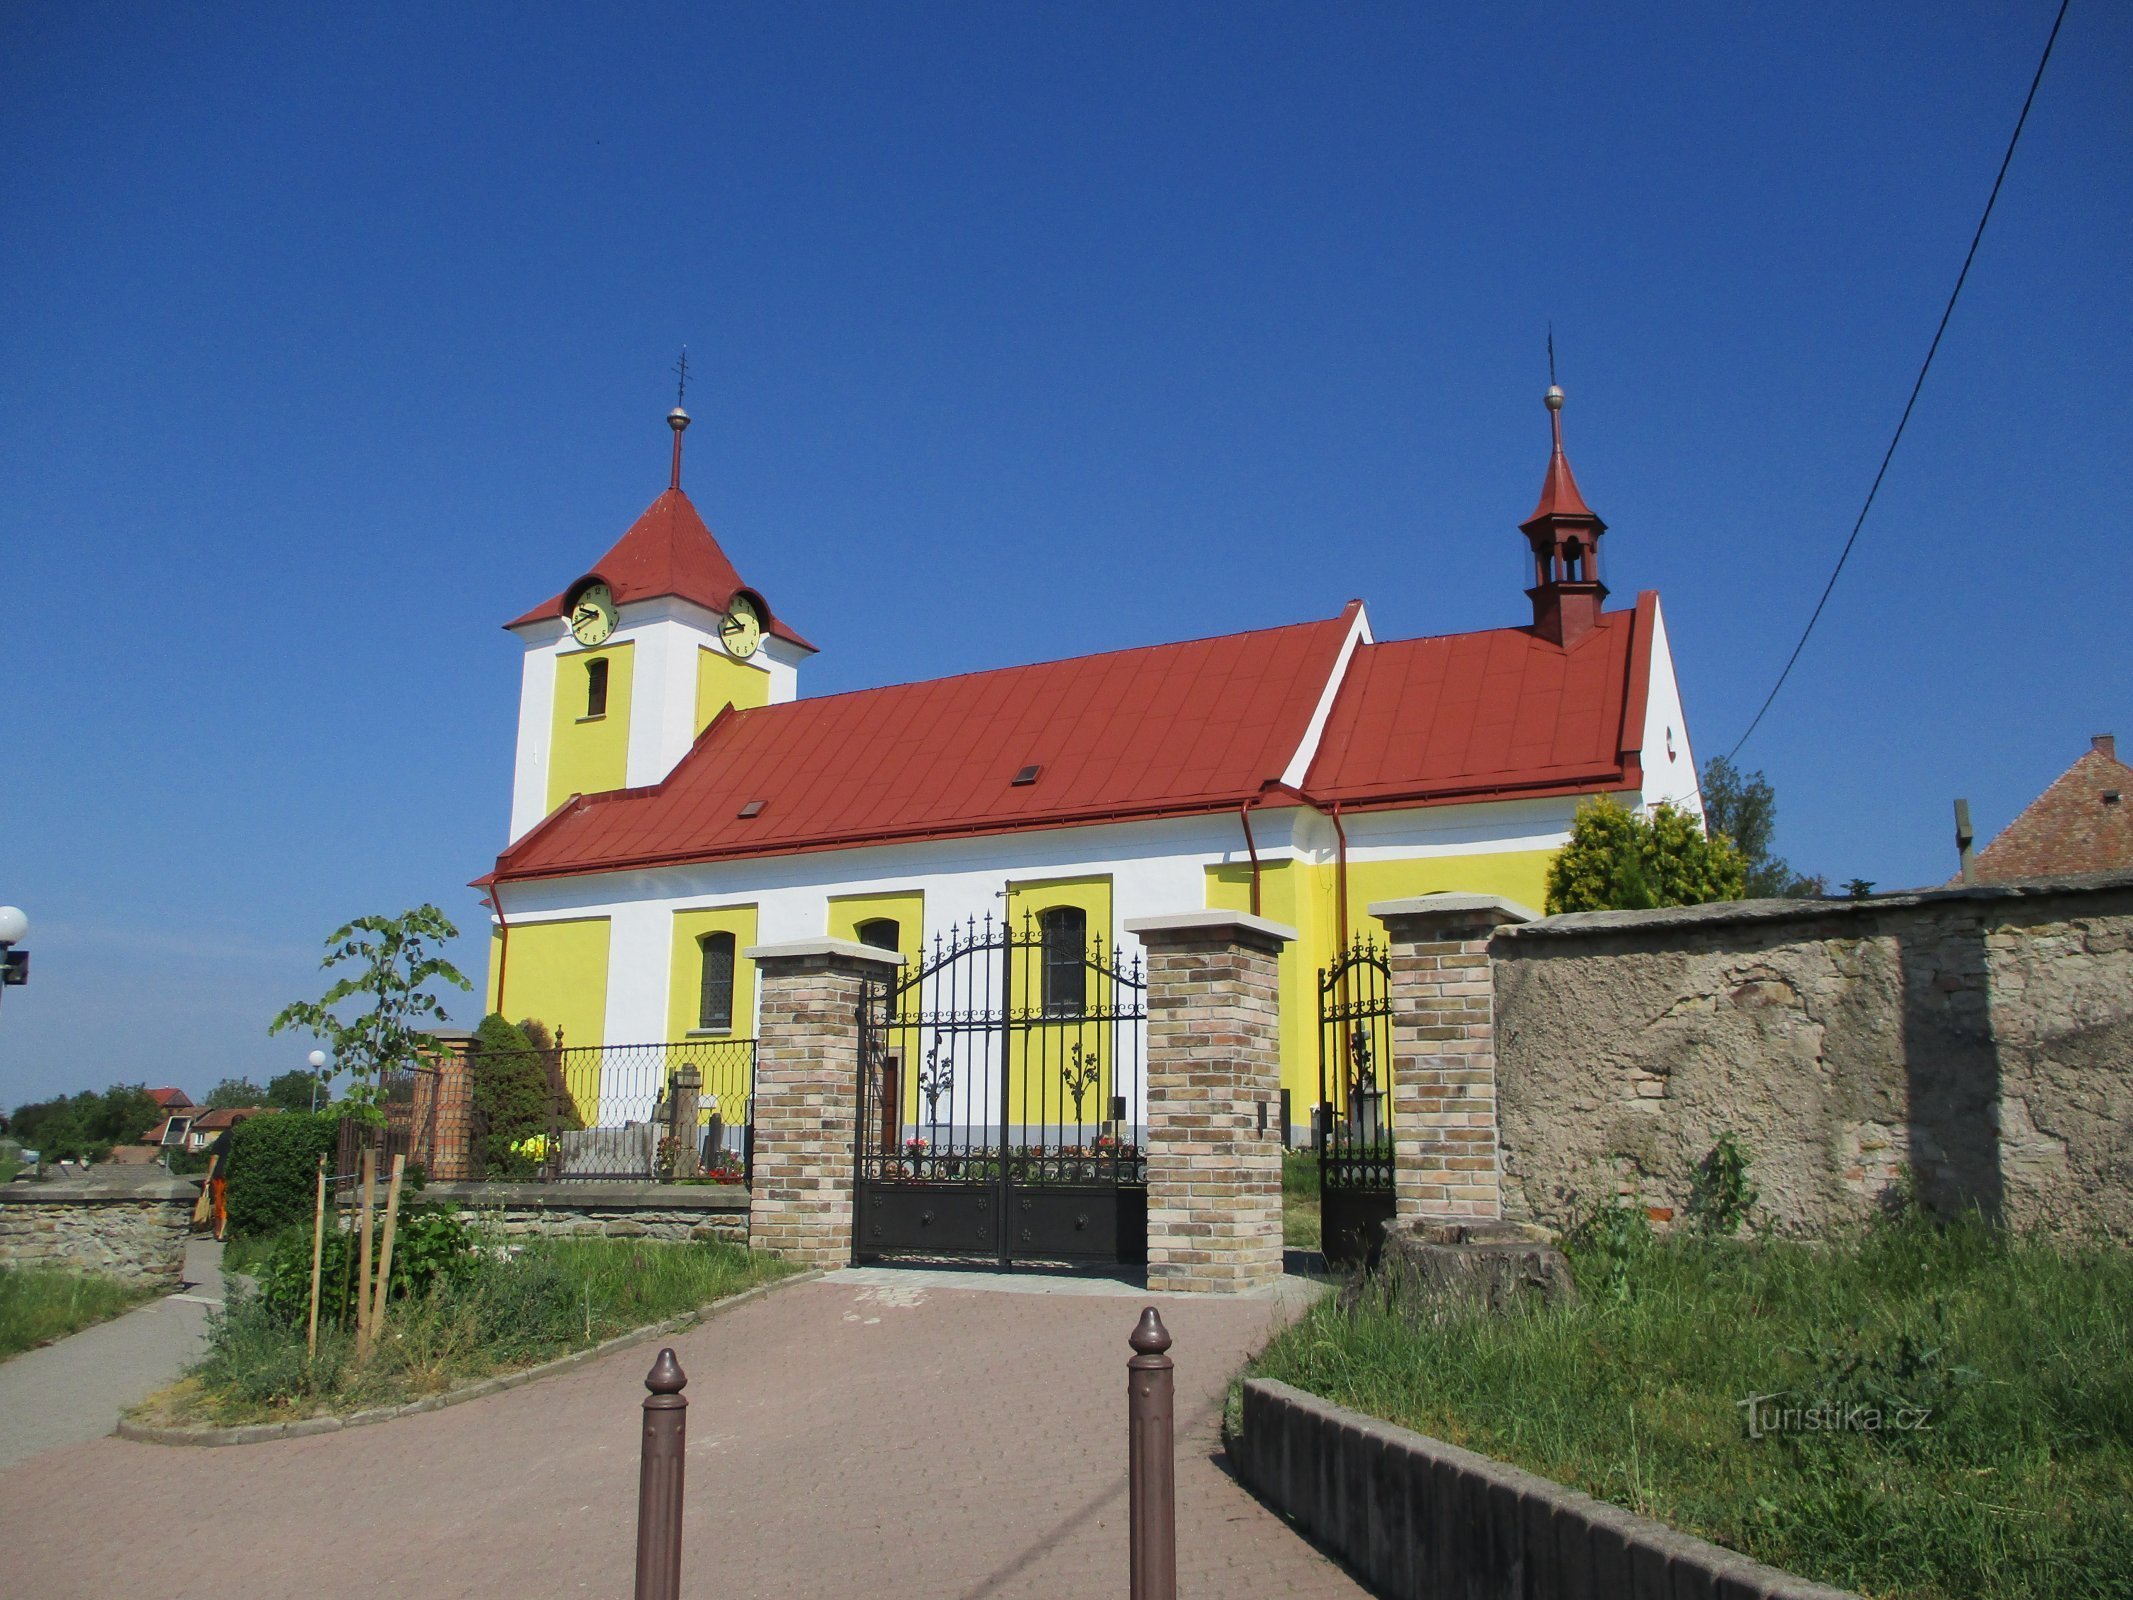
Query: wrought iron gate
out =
(1001, 1100)
(1355, 1102)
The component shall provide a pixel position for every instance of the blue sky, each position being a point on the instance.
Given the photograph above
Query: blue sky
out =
(1020, 330)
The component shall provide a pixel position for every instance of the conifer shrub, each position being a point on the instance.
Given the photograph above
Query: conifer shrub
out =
(514, 1096)
(274, 1168)
(1617, 860)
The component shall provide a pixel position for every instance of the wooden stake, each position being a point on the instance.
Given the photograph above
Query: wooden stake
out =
(370, 1191)
(385, 1253)
(318, 1242)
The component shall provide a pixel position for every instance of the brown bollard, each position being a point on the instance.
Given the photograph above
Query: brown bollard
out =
(1152, 1478)
(666, 1430)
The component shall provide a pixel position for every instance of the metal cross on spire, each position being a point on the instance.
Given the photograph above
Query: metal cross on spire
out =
(681, 376)
(1551, 355)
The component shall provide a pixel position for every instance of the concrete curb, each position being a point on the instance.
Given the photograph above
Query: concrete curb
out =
(304, 1428)
(1415, 1516)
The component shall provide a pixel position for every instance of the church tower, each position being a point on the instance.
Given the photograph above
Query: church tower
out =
(1565, 535)
(634, 659)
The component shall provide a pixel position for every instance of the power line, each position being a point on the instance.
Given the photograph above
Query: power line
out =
(1924, 367)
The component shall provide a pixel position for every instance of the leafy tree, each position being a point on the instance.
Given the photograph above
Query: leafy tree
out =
(233, 1092)
(84, 1127)
(1743, 807)
(397, 964)
(1618, 860)
(1859, 888)
(295, 1090)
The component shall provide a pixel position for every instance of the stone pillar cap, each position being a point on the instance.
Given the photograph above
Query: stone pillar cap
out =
(800, 949)
(1192, 922)
(1431, 905)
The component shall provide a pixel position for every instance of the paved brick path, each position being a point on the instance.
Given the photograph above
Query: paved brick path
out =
(868, 1435)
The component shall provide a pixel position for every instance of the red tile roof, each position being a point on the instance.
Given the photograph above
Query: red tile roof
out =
(2074, 826)
(667, 551)
(1467, 714)
(170, 1099)
(1160, 731)
(1169, 730)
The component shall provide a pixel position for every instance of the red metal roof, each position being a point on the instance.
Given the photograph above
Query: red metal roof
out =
(667, 551)
(1161, 731)
(1466, 714)
(1170, 730)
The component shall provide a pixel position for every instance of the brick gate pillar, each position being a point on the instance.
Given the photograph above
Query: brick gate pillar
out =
(1446, 1158)
(806, 1108)
(1214, 1100)
(452, 1130)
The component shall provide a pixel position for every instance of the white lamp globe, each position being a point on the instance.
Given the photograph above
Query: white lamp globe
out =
(13, 924)
(317, 1058)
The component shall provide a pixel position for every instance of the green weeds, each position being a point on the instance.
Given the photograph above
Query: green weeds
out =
(1943, 1411)
(38, 1305)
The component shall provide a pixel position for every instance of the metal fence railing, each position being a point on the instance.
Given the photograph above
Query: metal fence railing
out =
(616, 1111)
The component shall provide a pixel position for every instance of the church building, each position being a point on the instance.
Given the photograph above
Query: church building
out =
(678, 798)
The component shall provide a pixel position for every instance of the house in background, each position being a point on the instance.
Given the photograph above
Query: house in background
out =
(2082, 823)
(676, 800)
(194, 1129)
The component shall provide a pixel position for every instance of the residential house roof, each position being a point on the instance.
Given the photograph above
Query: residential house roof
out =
(2082, 823)
(170, 1099)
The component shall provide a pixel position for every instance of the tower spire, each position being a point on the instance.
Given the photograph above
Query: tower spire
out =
(1564, 533)
(678, 419)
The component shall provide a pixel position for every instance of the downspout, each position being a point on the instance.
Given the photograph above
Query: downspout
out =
(503, 933)
(1244, 815)
(1340, 881)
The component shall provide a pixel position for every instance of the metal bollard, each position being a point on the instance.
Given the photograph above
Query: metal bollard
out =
(666, 1429)
(1152, 1479)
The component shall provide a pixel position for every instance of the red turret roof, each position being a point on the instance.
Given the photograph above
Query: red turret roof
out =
(1559, 489)
(667, 551)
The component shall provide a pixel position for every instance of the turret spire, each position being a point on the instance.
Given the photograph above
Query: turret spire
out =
(1565, 535)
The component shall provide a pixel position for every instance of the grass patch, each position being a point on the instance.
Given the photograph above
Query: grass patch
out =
(2020, 1486)
(1299, 1200)
(38, 1305)
(489, 1311)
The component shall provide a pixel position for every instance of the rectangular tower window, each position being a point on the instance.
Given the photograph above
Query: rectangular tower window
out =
(596, 687)
(1065, 933)
(714, 995)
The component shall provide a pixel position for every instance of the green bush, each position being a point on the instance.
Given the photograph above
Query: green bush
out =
(432, 1245)
(274, 1168)
(513, 1096)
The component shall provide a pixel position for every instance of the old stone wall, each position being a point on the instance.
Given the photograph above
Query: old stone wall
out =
(1981, 1038)
(133, 1229)
(613, 1210)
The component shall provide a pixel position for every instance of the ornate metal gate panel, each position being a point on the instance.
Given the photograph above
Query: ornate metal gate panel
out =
(1355, 1102)
(1001, 1101)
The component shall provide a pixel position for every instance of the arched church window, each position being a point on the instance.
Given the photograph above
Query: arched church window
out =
(596, 687)
(1065, 931)
(714, 994)
(880, 933)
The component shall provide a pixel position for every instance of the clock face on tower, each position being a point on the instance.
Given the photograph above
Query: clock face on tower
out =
(592, 614)
(742, 629)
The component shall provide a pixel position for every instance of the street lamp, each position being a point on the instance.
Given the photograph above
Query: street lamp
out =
(14, 961)
(317, 1058)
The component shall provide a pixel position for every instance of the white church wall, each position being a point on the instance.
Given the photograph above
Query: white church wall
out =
(1669, 764)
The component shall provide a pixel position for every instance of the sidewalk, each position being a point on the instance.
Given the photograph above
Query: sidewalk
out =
(881, 1433)
(74, 1390)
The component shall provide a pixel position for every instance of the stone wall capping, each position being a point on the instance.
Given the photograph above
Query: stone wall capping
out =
(1720, 913)
(1500, 907)
(1209, 924)
(803, 949)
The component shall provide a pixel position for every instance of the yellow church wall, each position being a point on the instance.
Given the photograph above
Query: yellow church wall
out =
(1306, 897)
(589, 755)
(556, 972)
(685, 981)
(1036, 1087)
(722, 681)
(908, 908)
